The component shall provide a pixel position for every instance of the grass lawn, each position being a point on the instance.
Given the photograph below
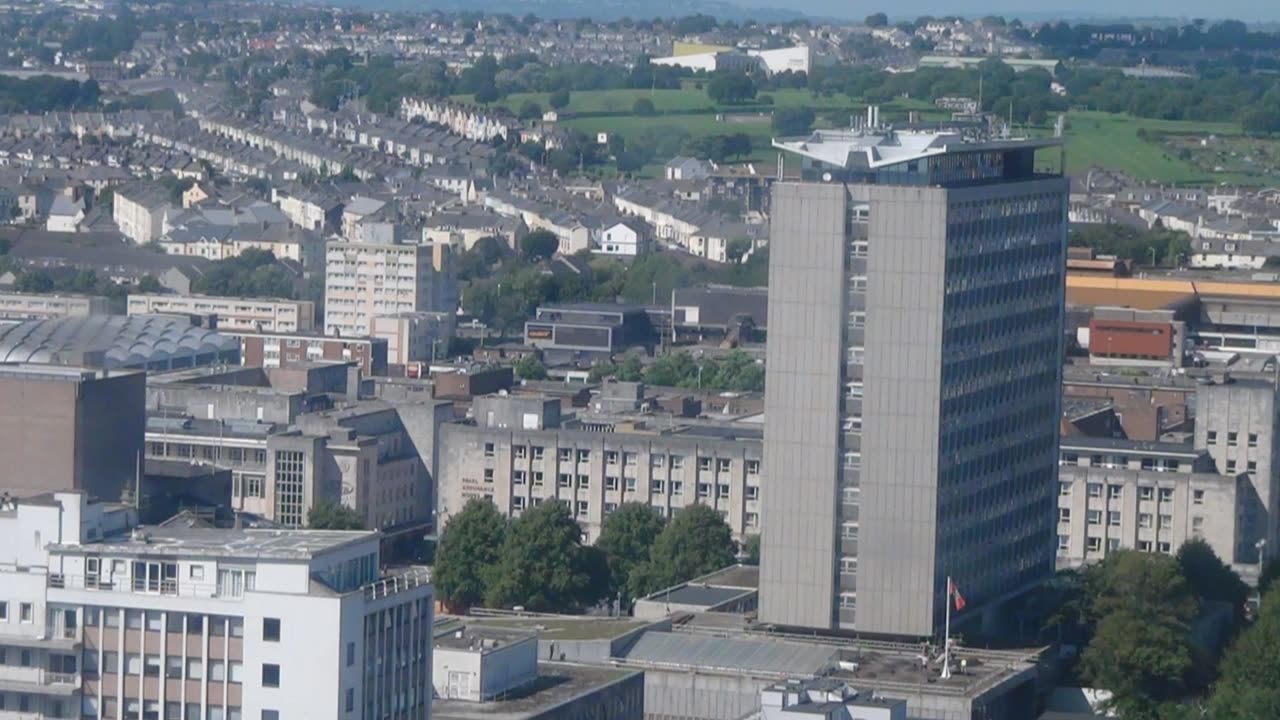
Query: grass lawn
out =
(1092, 138)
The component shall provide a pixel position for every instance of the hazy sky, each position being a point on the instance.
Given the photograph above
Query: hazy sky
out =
(1257, 10)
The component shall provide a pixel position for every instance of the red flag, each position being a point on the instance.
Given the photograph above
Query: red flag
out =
(953, 593)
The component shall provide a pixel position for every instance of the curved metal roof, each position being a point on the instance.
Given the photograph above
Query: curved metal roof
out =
(123, 341)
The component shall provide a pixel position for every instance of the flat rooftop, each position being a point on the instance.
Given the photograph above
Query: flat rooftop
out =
(205, 542)
(875, 148)
(562, 628)
(879, 666)
(555, 686)
(67, 373)
(456, 636)
(700, 595)
(737, 576)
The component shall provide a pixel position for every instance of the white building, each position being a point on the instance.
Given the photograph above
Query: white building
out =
(139, 212)
(482, 664)
(191, 623)
(41, 676)
(711, 58)
(365, 280)
(234, 314)
(65, 215)
(31, 306)
(624, 239)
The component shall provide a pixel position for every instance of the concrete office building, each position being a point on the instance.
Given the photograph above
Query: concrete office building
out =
(519, 452)
(914, 363)
(415, 337)
(282, 350)
(289, 448)
(1236, 425)
(68, 428)
(251, 314)
(364, 280)
(1116, 494)
(230, 624)
(18, 307)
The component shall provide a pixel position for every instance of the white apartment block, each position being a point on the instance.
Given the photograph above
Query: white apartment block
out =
(194, 624)
(17, 307)
(234, 314)
(367, 280)
(1150, 497)
(139, 212)
(523, 456)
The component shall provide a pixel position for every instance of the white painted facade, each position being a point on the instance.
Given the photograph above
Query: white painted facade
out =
(619, 240)
(247, 314)
(211, 624)
(141, 220)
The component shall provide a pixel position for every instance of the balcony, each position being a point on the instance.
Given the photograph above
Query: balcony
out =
(139, 586)
(410, 579)
(35, 680)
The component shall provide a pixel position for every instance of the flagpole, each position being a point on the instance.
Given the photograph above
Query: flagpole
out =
(946, 639)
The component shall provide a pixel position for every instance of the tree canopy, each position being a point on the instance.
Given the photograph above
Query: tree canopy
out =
(253, 273)
(732, 87)
(696, 542)
(1170, 246)
(530, 367)
(467, 554)
(626, 538)
(539, 245)
(735, 371)
(543, 565)
(1249, 685)
(334, 516)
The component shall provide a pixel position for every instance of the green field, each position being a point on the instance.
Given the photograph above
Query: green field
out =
(1166, 154)
(689, 99)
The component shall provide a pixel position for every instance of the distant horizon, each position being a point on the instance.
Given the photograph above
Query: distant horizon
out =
(1244, 10)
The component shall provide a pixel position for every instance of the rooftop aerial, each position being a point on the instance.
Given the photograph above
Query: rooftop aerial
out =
(875, 147)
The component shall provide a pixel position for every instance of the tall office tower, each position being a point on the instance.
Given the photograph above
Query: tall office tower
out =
(914, 361)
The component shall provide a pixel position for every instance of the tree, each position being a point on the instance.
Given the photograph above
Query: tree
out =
(486, 94)
(626, 537)
(731, 88)
(539, 245)
(738, 247)
(559, 99)
(468, 551)
(793, 121)
(542, 565)
(149, 284)
(530, 110)
(1211, 579)
(643, 107)
(530, 367)
(877, 20)
(334, 516)
(1141, 609)
(631, 369)
(751, 550)
(1249, 686)
(35, 281)
(1270, 571)
(253, 273)
(696, 542)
